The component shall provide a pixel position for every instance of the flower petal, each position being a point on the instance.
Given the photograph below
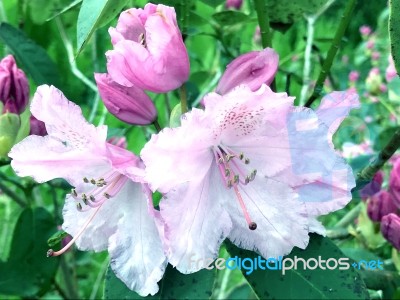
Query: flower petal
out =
(64, 120)
(176, 155)
(136, 251)
(195, 222)
(281, 220)
(46, 158)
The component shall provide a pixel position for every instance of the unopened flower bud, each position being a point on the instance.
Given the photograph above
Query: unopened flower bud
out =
(129, 104)
(353, 76)
(14, 87)
(390, 72)
(380, 205)
(374, 81)
(236, 4)
(394, 182)
(365, 30)
(390, 228)
(252, 69)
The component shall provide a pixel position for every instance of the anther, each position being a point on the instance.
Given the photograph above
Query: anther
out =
(107, 195)
(79, 206)
(220, 160)
(50, 252)
(229, 183)
(246, 161)
(92, 198)
(253, 226)
(241, 155)
(229, 157)
(247, 180)
(85, 180)
(92, 181)
(227, 172)
(236, 179)
(253, 175)
(73, 191)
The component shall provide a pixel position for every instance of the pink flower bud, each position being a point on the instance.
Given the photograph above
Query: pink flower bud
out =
(390, 228)
(148, 50)
(353, 76)
(391, 72)
(14, 87)
(252, 68)
(375, 55)
(370, 44)
(37, 127)
(237, 4)
(380, 205)
(394, 182)
(129, 104)
(365, 30)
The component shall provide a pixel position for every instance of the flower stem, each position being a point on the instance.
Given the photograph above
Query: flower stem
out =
(67, 276)
(383, 156)
(184, 106)
(332, 51)
(157, 125)
(263, 22)
(10, 193)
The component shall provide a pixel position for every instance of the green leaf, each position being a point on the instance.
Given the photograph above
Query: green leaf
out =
(28, 272)
(94, 14)
(174, 285)
(242, 291)
(9, 126)
(213, 3)
(287, 12)
(394, 32)
(64, 9)
(175, 118)
(230, 17)
(305, 284)
(31, 57)
(384, 137)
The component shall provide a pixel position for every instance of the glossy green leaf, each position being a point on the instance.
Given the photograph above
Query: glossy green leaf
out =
(230, 17)
(305, 284)
(31, 57)
(28, 272)
(174, 285)
(175, 118)
(94, 14)
(394, 31)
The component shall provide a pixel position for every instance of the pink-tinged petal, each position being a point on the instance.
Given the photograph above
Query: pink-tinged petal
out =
(46, 158)
(335, 107)
(253, 69)
(64, 120)
(195, 222)
(129, 27)
(103, 225)
(166, 156)
(136, 251)
(282, 222)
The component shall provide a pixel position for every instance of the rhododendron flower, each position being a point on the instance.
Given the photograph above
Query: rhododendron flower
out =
(253, 69)
(109, 206)
(251, 167)
(148, 50)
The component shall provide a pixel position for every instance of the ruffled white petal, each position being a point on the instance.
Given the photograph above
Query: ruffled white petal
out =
(195, 222)
(46, 158)
(281, 220)
(136, 251)
(64, 120)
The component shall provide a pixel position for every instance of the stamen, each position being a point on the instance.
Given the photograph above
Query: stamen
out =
(51, 252)
(74, 193)
(252, 225)
(85, 180)
(107, 195)
(221, 160)
(241, 155)
(227, 173)
(92, 181)
(246, 161)
(92, 198)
